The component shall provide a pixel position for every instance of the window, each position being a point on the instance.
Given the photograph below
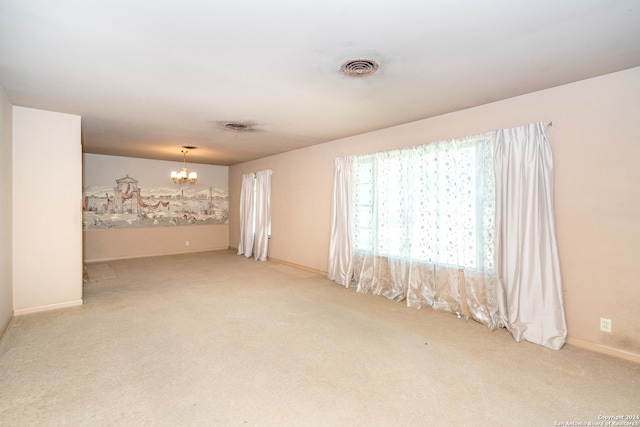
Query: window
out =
(433, 203)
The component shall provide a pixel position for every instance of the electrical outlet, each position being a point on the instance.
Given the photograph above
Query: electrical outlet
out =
(186, 243)
(605, 324)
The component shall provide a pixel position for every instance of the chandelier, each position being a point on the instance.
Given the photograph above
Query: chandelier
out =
(183, 176)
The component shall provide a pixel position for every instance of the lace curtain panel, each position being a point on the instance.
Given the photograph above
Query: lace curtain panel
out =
(423, 226)
(419, 225)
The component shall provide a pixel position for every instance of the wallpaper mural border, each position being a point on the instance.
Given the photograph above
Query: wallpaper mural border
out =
(123, 192)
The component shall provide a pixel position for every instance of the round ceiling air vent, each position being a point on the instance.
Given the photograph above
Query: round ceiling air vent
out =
(359, 67)
(239, 127)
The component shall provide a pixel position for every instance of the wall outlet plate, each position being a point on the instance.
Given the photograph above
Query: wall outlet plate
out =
(605, 324)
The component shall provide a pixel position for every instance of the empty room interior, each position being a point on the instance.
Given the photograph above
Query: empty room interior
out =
(319, 213)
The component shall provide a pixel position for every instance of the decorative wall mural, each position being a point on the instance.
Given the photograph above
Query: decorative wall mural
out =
(130, 202)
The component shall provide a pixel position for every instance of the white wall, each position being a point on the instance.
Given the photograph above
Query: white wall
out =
(106, 245)
(594, 139)
(6, 290)
(47, 220)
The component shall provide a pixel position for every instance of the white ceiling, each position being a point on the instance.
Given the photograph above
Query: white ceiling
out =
(150, 76)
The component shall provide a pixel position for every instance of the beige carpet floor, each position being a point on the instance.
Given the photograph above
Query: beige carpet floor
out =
(214, 339)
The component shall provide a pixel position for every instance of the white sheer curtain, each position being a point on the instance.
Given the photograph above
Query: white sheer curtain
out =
(255, 214)
(263, 214)
(437, 226)
(531, 300)
(340, 268)
(247, 215)
(421, 227)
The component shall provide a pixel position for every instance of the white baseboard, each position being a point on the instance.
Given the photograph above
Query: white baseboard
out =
(599, 348)
(298, 266)
(159, 254)
(47, 307)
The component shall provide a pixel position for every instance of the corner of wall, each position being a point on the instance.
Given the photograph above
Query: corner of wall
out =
(6, 207)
